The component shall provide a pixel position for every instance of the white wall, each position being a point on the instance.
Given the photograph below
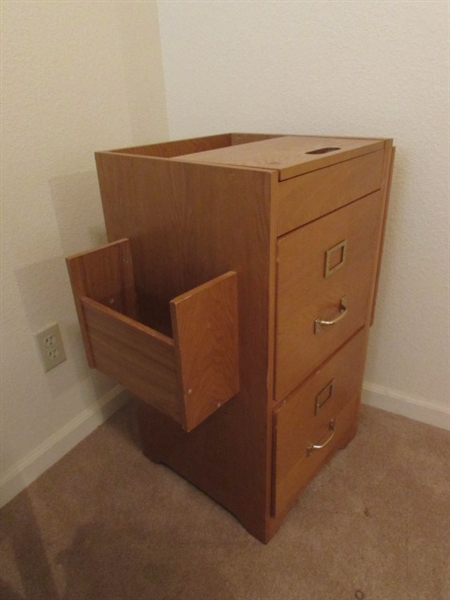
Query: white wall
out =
(353, 69)
(77, 77)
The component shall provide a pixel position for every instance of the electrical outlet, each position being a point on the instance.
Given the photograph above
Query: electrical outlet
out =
(51, 347)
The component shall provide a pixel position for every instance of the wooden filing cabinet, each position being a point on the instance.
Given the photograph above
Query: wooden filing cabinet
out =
(234, 300)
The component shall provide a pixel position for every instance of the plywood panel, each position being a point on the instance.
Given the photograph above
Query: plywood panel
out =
(201, 208)
(290, 479)
(290, 155)
(205, 323)
(106, 275)
(187, 224)
(139, 358)
(187, 379)
(304, 293)
(180, 147)
(308, 197)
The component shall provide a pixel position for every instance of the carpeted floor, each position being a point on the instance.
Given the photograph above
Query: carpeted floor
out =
(106, 524)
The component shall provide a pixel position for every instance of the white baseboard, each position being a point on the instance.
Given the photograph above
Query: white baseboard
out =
(18, 477)
(408, 406)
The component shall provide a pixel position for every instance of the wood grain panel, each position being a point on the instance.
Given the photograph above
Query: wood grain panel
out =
(334, 383)
(195, 209)
(205, 324)
(305, 198)
(188, 379)
(247, 138)
(180, 147)
(106, 275)
(305, 294)
(290, 155)
(139, 358)
(293, 434)
(298, 424)
(194, 145)
(187, 224)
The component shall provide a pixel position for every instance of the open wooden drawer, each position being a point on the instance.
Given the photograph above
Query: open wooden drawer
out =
(187, 376)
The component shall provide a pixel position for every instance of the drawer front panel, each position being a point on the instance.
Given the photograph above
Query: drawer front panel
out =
(287, 487)
(310, 196)
(324, 284)
(331, 393)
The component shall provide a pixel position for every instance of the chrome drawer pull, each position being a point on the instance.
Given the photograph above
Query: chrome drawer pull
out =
(310, 449)
(318, 323)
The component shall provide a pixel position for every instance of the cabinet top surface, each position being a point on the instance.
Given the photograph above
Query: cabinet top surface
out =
(290, 155)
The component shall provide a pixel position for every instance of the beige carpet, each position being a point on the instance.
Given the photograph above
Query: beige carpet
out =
(107, 524)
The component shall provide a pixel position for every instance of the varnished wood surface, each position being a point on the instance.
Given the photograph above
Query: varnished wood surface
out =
(307, 197)
(106, 275)
(297, 421)
(205, 324)
(188, 379)
(179, 147)
(188, 223)
(305, 294)
(194, 145)
(293, 436)
(288, 154)
(247, 138)
(140, 359)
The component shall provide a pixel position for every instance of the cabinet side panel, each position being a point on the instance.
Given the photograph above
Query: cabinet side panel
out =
(188, 223)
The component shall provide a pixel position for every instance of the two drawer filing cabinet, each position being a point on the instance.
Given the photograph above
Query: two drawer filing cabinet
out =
(234, 300)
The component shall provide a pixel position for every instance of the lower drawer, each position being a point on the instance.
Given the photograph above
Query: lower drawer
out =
(318, 413)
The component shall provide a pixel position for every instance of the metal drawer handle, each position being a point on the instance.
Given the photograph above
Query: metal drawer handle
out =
(343, 309)
(310, 449)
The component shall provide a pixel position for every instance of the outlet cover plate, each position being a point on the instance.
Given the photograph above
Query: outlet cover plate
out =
(51, 347)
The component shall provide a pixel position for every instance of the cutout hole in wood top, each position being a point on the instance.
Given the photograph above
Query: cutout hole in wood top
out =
(322, 150)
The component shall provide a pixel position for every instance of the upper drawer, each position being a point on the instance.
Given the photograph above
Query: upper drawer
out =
(326, 272)
(307, 197)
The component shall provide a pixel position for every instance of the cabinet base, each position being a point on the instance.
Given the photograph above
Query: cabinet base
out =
(163, 442)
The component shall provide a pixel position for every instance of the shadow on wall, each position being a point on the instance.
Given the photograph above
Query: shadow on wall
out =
(45, 287)
(78, 211)
(46, 295)
(81, 225)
